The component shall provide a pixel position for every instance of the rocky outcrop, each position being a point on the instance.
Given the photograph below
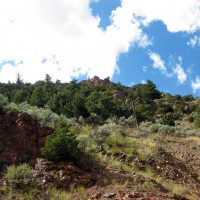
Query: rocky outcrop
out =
(21, 138)
(62, 174)
(96, 81)
(120, 95)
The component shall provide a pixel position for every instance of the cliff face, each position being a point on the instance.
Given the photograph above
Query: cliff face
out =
(21, 138)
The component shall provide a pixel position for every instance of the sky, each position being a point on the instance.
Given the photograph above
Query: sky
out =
(130, 41)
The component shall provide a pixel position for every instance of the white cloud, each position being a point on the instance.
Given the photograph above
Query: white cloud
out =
(178, 15)
(179, 71)
(66, 35)
(181, 75)
(196, 84)
(195, 41)
(158, 63)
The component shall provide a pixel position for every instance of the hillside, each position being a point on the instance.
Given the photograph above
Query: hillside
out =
(123, 142)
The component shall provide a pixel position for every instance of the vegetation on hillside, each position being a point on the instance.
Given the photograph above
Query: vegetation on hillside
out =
(97, 100)
(145, 140)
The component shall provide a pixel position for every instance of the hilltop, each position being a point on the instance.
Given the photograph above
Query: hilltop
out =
(102, 99)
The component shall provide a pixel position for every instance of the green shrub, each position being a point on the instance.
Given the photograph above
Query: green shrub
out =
(119, 165)
(58, 194)
(117, 144)
(3, 101)
(190, 117)
(197, 120)
(61, 145)
(166, 129)
(108, 129)
(149, 186)
(171, 130)
(179, 190)
(130, 121)
(167, 120)
(44, 115)
(195, 133)
(15, 174)
(94, 119)
(86, 143)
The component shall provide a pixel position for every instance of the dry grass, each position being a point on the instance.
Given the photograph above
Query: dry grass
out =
(196, 139)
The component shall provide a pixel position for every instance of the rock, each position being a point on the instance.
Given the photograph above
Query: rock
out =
(62, 174)
(96, 80)
(123, 157)
(96, 195)
(21, 137)
(109, 195)
(134, 195)
(119, 94)
(150, 161)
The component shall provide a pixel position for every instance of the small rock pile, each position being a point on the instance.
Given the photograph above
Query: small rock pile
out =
(62, 174)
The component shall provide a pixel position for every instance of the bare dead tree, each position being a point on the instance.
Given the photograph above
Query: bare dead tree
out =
(132, 103)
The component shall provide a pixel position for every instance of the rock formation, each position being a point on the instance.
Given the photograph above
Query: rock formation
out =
(21, 138)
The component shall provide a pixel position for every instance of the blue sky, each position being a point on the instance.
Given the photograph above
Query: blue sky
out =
(136, 66)
(131, 41)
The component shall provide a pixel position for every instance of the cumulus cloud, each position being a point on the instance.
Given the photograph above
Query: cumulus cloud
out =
(195, 41)
(158, 63)
(196, 84)
(178, 15)
(63, 38)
